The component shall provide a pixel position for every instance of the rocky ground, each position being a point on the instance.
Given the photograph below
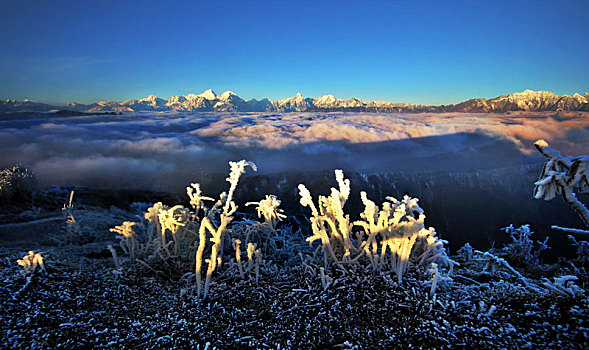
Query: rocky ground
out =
(82, 301)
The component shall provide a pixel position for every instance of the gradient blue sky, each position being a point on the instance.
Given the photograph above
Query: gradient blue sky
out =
(429, 52)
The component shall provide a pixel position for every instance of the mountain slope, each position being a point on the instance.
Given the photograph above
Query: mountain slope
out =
(529, 100)
(25, 106)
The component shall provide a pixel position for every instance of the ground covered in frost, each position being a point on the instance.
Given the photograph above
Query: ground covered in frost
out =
(80, 302)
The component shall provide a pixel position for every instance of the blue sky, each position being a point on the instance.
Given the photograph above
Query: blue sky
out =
(429, 52)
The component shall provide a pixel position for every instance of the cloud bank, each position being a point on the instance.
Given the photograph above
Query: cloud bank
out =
(168, 151)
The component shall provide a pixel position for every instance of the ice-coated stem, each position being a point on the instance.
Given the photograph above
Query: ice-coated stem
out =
(237, 243)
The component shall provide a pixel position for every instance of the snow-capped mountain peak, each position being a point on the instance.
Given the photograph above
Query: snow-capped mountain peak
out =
(150, 102)
(209, 94)
(150, 98)
(226, 95)
(324, 100)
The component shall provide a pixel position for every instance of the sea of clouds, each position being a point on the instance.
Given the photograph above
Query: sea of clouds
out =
(168, 151)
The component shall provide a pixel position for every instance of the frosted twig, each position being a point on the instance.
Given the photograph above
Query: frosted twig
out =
(570, 230)
(561, 175)
(564, 285)
(114, 257)
(505, 264)
(236, 244)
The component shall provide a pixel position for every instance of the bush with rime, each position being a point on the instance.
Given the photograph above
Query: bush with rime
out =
(17, 181)
(522, 249)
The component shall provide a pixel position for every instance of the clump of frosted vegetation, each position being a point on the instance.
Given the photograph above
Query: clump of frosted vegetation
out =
(17, 181)
(390, 238)
(522, 249)
(582, 249)
(265, 234)
(564, 286)
(466, 252)
(32, 262)
(565, 176)
(269, 209)
(175, 237)
(72, 231)
(386, 239)
(128, 239)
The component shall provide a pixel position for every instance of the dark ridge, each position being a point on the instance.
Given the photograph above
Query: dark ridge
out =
(70, 113)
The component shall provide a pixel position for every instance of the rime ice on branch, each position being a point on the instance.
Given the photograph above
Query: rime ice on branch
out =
(563, 175)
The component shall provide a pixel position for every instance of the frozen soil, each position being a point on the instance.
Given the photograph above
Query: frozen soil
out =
(82, 302)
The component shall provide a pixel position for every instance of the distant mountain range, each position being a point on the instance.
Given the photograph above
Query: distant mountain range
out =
(529, 100)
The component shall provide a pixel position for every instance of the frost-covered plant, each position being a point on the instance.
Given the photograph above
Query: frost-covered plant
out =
(430, 248)
(492, 258)
(521, 247)
(269, 209)
(329, 223)
(563, 175)
(176, 235)
(115, 258)
(217, 231)
(128, 238)
(582, 250)
(72, 232)
(164, 239)
(32, 262)
(17, 181)
(154, 228)
(564, 286)
(196, 199)
(175, 221)
(237, 247)
(279, 243)
(391, 237)
(265, 234)
(435, 278)
(254, 260)
(465, 252)
(399, 228)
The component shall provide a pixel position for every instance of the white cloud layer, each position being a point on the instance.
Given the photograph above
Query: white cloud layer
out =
(166, 151)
